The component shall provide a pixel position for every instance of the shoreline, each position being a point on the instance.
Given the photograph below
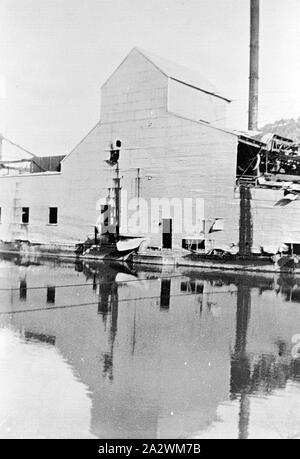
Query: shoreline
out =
(158, 258)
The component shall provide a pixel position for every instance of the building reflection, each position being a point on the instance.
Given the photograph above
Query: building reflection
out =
(256, 374)
(50, 295)
(105, 280)
(165, 291)
(23, 290)
(139, 342)
(30, 336)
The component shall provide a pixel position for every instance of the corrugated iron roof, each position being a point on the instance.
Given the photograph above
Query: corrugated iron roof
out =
(181, 73)
(253, 136)
(262, 137)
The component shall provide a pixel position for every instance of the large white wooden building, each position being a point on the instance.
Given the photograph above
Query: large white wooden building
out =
(171, 124)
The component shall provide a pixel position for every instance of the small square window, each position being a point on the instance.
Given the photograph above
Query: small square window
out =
(53, 215)
(25, 215)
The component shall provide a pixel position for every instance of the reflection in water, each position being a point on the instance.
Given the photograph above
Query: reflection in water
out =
(165, 294)
(107, 308)
(40, 397)
(108, 304)
(51, 295)
(29, 336)
(225, 340)
(240, 365)
(267, 373)
(23, 289)
(192, 286)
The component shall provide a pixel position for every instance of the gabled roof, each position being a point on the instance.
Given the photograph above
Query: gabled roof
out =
(181, 73)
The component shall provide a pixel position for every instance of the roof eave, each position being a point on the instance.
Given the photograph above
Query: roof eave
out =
(200, 89)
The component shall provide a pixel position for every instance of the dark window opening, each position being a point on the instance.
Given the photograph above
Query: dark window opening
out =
(25, 215)
(53, 215)
(51, 295)
(293, 249)
(46, 163)
(246, 160)
(253, 160)
(193, 244)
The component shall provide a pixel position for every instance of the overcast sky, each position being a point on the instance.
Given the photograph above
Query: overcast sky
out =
(56, 54)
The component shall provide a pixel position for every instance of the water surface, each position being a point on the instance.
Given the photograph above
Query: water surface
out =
(111, 351)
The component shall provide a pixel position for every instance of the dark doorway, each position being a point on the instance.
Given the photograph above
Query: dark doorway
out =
(167, 233)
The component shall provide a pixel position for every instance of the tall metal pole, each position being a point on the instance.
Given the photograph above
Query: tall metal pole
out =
(253, 65)
(117, 197)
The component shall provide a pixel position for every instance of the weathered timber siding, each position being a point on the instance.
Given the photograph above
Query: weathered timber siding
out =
(195, 104)
(175, 158)
(74, 195)
(274, 224)
(137, 89)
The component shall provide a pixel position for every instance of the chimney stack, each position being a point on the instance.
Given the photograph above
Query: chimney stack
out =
(253, 65)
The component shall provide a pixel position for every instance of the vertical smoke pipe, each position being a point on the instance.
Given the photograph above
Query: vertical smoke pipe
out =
(253, 65)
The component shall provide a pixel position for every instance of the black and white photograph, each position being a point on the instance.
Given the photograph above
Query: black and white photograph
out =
(149, 223)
